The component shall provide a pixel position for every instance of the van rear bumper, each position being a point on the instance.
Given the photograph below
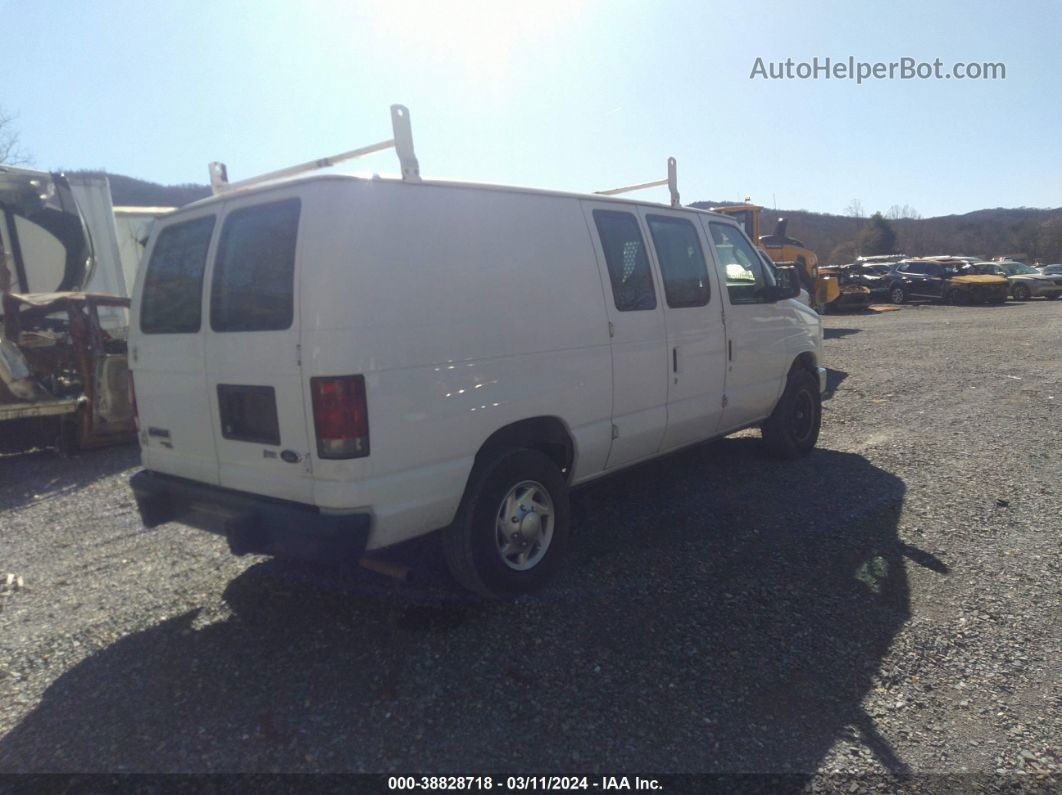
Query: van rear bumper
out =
(252, 524)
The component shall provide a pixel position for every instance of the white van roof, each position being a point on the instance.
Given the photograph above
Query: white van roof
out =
(264, 187)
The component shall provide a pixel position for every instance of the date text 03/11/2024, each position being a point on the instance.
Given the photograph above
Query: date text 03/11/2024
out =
(521, 783)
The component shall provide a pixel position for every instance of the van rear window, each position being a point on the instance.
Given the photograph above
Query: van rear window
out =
(171, 302)
(254, 277)
(628, 264)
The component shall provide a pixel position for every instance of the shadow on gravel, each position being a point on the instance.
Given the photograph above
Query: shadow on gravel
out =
(42, 474)
(834, 378)
(721, 612)
(837, 333)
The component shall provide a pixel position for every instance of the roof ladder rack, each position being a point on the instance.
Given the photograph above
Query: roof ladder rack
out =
(671, 182)
(402, 143)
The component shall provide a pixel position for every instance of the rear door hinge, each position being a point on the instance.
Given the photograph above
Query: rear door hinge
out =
(611, 329)
(615, 431)
(725, 401)
(298, 355)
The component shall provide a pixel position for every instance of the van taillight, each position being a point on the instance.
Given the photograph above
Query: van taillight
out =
(132, 400)
(340, 416)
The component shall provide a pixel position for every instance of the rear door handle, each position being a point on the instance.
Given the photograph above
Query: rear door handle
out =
(674, 360)
(730, 350)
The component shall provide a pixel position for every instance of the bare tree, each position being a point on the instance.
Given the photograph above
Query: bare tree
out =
(907, 211)
(11, 153)
(855, 209)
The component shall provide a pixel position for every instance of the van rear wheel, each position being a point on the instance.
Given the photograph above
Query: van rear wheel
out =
(512, 528)
(793, 427)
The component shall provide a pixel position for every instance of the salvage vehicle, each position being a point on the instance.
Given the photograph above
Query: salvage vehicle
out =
(326, 365)
(1024, 280)
(951, 280)
(873, 279)
(63, 376)
(1051, 270)
(62, 371)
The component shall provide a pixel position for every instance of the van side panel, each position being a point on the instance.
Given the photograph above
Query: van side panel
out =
(465, 310)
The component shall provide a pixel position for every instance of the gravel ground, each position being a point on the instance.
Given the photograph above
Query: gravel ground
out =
(891, 603)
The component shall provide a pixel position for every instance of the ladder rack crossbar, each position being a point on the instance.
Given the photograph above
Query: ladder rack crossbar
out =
(671, 182)
(311, 165)
(402, 143)
(629, 188)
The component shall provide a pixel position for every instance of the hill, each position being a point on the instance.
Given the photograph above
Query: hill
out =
(1034, 232)
(1037, 233)
(129, 191)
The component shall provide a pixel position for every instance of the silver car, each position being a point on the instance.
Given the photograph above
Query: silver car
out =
(1050, 270)
(1025, 282)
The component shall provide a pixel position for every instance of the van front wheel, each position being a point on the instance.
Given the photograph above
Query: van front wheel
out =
(512, 528)
(793, 427)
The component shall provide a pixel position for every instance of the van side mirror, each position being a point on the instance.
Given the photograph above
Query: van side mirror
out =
(787, 284)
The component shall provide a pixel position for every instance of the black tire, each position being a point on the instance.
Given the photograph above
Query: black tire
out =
(1022, 293)
(793, 427)
(898, 294)
(1054, 297)
(958, 298)
(470, 544)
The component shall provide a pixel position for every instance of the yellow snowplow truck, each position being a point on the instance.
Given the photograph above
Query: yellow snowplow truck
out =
(824, 285)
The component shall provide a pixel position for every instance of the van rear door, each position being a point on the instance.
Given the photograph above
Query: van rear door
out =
(251, 350)
(167, 353)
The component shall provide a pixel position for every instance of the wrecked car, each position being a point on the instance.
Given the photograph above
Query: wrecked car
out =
(63, 377)
(1024, 280)
(952, 281)
(851, 293)
(63, 373)
(873, 278)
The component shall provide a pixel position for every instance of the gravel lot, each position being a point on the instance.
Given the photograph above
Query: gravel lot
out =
(890, 603)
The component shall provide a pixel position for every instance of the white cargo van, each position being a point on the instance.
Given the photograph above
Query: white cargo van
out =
(329, 365)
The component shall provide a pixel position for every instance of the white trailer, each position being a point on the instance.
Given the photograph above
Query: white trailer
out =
(134, 225)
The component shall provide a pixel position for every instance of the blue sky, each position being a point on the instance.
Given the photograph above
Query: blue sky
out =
(567, 94)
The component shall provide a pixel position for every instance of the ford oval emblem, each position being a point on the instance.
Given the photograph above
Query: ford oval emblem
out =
(291, 456)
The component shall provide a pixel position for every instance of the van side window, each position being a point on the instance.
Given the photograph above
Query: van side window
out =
(628, 264)
(681, 261)
(745, 276)
(254, 277)
(172, 299)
